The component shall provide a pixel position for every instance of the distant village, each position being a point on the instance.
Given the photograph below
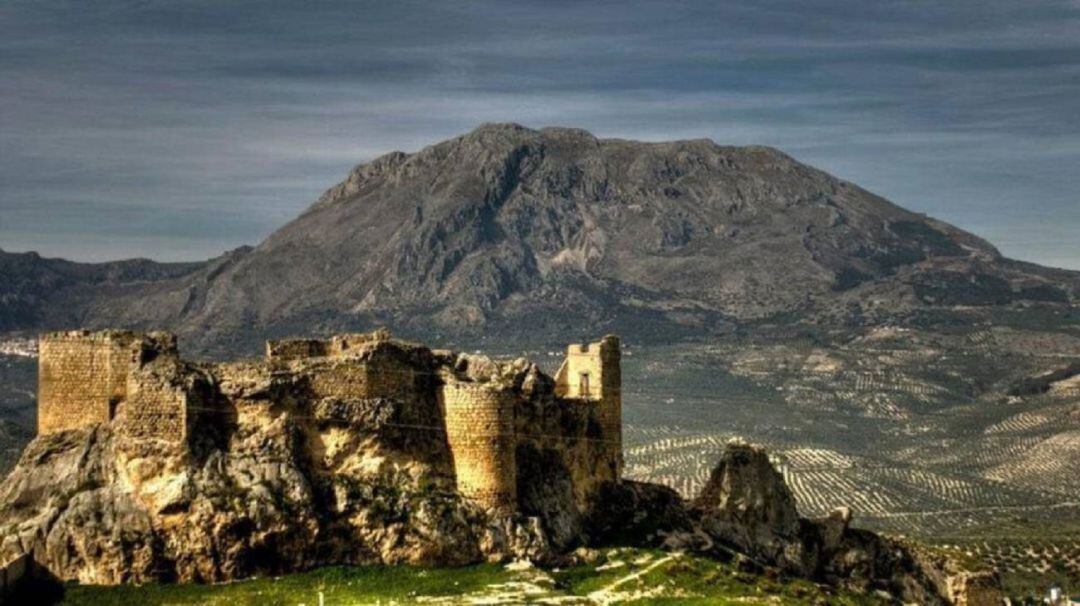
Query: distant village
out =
(27, 348)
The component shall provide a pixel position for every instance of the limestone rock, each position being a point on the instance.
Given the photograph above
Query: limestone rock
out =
(975, 589)
(833, 527)
(638, 513)
(388, 453)
(957, 582)
(746, 503)
(747, 506)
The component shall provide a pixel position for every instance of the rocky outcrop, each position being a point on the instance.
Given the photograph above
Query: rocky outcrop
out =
(95, 508)
(90, 506)
(747, 506)
(974, 589)
(639, 513)
(963, 584)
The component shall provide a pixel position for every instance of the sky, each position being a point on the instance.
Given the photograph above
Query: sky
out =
(178, 130)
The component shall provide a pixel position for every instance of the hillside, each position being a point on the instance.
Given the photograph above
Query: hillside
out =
(36, 291)
(366, 450)
(608, 576)
(516, 232)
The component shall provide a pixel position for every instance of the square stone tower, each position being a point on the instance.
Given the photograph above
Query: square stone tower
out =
(83, 376)
(592, 373)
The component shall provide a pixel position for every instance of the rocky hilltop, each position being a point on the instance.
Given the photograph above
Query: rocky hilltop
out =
(362, 449)
(512, 230)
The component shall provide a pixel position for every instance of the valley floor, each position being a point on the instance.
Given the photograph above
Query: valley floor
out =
(619, 576)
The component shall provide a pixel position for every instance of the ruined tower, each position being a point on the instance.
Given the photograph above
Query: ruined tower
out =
(86, 378)
(592, 373)
(83, 376)
(480, 430)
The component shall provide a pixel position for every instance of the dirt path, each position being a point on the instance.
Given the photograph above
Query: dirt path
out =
(609, 595)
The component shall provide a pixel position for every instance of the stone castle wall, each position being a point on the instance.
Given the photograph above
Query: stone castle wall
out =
(342, 345)
(566, 436)
(484, 410)
(480, 430)
(366, 379)
(295, 349)
(155, 407)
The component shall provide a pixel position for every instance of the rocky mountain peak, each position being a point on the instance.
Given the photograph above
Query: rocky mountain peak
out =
(507, 226)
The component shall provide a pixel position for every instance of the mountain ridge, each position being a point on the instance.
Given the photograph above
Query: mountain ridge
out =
(533, 230)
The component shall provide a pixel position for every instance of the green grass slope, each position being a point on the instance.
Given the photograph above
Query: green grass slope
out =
(616, 577)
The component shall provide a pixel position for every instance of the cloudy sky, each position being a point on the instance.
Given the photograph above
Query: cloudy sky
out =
(178, 130)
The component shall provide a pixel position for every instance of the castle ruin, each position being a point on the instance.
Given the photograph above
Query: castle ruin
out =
(363, 449)
(494, 418)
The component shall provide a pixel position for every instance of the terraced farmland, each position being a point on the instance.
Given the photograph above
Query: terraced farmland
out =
(1051, 464)
(913, 429)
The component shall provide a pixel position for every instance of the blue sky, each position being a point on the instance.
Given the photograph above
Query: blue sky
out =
(179, 130)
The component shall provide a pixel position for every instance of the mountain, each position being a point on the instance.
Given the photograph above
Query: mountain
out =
(509, 230)
(36, 291)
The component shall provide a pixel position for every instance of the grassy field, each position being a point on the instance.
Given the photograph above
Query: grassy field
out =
(624, 576)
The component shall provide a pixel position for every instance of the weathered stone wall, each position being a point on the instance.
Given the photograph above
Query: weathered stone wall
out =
(82, 376)
(295, 349)
(377, 375)
(571, 429)
(86, 378)
(340, 380)
(355, 342)
(480, 430)
(156, 406)
(347, 344)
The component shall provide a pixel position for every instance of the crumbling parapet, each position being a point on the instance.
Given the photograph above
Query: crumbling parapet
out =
(480, 431)
(296, 349)
(342, 345)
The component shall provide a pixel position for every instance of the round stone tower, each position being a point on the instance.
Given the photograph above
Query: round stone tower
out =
(480, 431)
